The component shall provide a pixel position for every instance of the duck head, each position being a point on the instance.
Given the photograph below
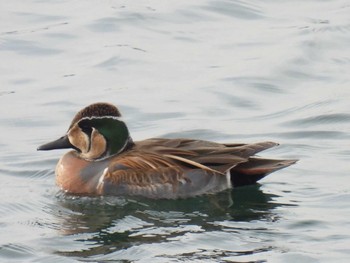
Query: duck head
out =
(96, 132)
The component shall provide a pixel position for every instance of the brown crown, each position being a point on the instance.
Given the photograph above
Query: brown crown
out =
(98, 109)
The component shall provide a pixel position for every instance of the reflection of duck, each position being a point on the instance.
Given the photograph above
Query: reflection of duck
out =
(107, 162)
(115, 223)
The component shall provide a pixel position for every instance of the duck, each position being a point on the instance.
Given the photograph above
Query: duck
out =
(105, 160)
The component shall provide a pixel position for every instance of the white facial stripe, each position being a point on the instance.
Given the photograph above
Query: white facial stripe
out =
(102, 117)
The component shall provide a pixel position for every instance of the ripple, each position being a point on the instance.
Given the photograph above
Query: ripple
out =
(298, 73)
(128, 223)
(125, 46)
(312, 135)
(13, 207)
(36, 17)
(10, 252)
(306, 224)
(14, 166)
(28, 173)
(197, 133)
(258, 83)
(131, 17)
(2, 93)
(237, 9)
(327, 27)
(285, 113)
(110, 63)
(209, 255)
(157, 116)
(320, 120)
(238, 101)
(34, 30)
(107, 24)
(173, 217)
(26, 47)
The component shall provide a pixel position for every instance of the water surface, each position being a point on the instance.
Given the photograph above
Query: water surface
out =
(228, 71)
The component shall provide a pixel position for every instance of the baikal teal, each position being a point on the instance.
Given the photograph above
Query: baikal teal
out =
(106, 161)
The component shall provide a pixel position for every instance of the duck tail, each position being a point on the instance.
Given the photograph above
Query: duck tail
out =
(254, 169)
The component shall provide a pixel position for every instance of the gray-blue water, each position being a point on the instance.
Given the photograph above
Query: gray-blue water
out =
(228, 71)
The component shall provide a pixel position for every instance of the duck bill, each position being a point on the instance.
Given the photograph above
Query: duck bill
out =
(61, 143)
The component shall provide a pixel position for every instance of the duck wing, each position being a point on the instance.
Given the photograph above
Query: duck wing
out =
(173, 168)
(245, 168)
(154, 176)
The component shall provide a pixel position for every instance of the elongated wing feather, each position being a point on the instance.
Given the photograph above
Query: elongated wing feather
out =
(171, 168)
(219, 157)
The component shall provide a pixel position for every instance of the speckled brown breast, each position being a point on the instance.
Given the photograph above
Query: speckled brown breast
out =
(68, 174)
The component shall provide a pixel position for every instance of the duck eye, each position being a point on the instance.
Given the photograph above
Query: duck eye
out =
(86, 129)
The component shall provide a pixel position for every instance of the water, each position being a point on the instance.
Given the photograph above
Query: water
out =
(229, 71)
